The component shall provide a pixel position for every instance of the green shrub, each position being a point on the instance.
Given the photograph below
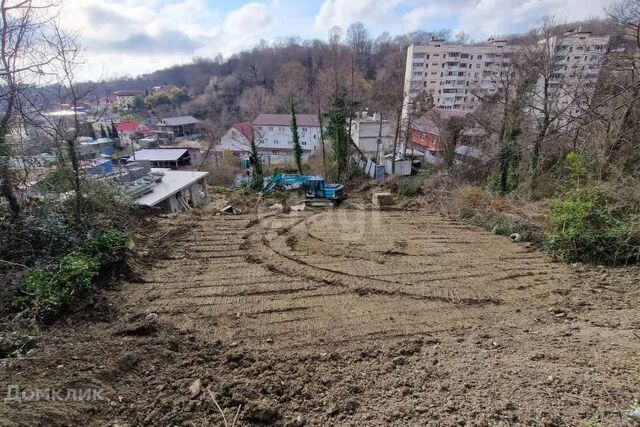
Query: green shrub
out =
(107, 247)
(48, 293)
(410, 186)
(592, 225)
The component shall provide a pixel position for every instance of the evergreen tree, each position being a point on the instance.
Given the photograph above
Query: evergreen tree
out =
(297, 148)
(338, 115)
(103, 133)
(258, 178)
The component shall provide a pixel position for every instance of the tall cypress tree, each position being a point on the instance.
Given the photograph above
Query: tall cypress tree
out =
(297, 148)
(103, 133)
(256, 163)
(337, 129)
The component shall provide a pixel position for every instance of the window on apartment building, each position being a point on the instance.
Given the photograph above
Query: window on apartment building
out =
(270, 127)
(304, 142)
(418, 64)
(477, 65)
(436, 54)
(418, 55)
(479, 57)
(427, 56)
(417, 73)
(275, 141)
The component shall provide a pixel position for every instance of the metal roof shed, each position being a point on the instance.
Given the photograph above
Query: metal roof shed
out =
(164, 157)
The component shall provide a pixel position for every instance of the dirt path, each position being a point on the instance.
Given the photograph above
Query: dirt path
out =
(368, 318)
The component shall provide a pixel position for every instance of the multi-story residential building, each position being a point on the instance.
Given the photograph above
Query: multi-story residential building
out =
(453, 74)
(366, 130)
(273, 137)
(127, 98)
(577, 61)
(182, 127)
(457, 76)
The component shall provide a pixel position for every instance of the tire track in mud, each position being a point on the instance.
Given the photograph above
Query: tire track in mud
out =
(306, 278)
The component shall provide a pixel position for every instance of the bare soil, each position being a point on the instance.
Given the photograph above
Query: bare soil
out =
(343, 317)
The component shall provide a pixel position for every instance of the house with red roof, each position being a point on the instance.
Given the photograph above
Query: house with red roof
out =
(426, 131)
(127, 131)
(273, 137)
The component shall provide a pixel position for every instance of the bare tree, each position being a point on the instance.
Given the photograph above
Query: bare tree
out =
(24, 57)
(256, 100)
(543, 63)
(360, 43)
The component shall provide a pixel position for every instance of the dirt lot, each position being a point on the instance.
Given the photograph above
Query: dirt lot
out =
(344, 317)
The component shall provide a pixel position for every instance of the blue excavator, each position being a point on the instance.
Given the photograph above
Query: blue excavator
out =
(317, 191)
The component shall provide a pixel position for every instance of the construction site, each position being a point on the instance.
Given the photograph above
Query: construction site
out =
(347, 316)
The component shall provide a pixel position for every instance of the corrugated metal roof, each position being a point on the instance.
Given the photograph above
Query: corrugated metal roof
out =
(160, 154)
(306, 120)
(178, 121)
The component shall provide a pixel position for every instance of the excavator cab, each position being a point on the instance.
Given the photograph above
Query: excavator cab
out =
(315, 187)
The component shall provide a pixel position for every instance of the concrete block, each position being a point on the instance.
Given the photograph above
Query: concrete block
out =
(382, 199)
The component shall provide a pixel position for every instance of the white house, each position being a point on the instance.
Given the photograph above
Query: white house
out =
(273, 137)
(365, 132)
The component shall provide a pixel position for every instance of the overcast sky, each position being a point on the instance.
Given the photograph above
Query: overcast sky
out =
(130, 37)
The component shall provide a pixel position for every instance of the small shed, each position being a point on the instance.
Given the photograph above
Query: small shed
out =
(402, 166)
(164, 157)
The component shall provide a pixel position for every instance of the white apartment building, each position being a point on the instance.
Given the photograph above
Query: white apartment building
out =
(452, 73)
(273, 137)
(578, 59)
(365, 131)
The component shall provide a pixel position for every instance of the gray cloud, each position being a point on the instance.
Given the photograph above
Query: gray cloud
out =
(99, 16)
(169, 42)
